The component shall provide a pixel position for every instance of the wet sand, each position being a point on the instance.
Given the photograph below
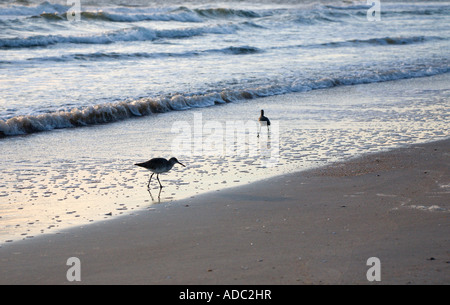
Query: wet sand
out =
(313, 227)
(92, 177)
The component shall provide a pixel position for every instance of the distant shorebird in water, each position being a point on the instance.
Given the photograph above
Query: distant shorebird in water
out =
(158, 166)
(263, 120)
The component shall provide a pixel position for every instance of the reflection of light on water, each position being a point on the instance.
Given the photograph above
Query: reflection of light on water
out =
(55, 180)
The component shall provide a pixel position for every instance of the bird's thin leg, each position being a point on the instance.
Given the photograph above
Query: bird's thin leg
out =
(259, 130)
(160, 185)
(148, 185)
(150, 192)
(159, 195)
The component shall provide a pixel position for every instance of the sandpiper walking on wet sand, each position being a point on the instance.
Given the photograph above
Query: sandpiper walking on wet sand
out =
(158, 166)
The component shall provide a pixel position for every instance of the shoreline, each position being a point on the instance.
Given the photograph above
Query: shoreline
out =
(46, 190)
(66, 119)
(311, 227)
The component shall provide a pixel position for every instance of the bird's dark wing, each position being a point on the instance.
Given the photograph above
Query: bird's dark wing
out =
(264, 119)
(153, 163)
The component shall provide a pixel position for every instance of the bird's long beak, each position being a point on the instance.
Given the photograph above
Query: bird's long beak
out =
(181, 163)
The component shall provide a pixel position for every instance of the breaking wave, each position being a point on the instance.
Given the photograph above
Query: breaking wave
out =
(128, 34)
(99, 56)
(117, 111)
(383, 41)
(54, 12)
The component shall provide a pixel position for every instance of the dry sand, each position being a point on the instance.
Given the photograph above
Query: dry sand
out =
(315, 227)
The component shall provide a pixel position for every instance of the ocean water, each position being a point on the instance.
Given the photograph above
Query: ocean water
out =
(143, 57)
(82, 101)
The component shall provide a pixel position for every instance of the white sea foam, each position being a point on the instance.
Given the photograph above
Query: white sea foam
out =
(432, 208)
(113, 112)
(171, 57)
(135, 33)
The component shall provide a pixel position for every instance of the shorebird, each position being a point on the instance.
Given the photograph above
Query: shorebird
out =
(158, 166)
(263, 120)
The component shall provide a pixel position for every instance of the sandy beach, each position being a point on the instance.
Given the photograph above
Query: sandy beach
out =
(349, 184)
(312, 227)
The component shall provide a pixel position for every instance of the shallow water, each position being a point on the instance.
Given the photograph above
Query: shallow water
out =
(121, 61)
(54, 180)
